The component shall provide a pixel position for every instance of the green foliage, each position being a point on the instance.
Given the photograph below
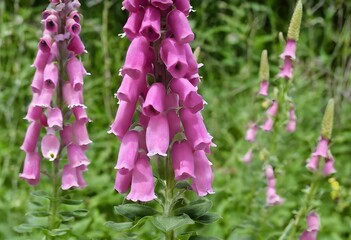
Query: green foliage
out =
(232, 35)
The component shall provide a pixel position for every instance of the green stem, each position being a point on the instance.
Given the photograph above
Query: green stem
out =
(54, 203)
(291, 229)
(169, 195)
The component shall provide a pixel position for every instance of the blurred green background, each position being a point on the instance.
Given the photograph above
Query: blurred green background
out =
(231, 34)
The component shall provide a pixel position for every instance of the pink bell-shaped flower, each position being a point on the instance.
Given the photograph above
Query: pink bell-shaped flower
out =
(174, 57)
(123, 181)
(287, 70)
(179, 25)
(55, 118)
(31, 169)
(151, 24)
(50, 146)
(132, 26)
(128, 152)
(157, 135)
(123, 119)
(69, 177)
(76, 156)
(31, 138)
(162, 4)
(202, 183)
(183, 160)
(251, 133)
(322, 148)
(264, 88)
(247, 158)
(290, 50)
(142, 187)
(155, 100)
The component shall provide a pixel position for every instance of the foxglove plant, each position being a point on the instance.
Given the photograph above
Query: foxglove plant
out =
(322, 151)
(57, 106)
(160, 90)
(278, 104)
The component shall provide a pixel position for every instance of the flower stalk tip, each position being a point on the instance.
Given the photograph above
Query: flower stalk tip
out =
(328, 120)
(295, 23)
(264, 66)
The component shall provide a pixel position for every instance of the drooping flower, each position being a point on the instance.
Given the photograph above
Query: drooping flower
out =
(272, 198)
(291, 125)
(57, 57)
(247, 157)
(251, 132)
(264, 74)
(313, 225)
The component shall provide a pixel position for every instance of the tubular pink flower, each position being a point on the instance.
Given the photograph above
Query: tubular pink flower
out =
(290, 50)
(44, 99)
(268, 125)
(51, 23)
(162, 4)
(193, 66)
(273, 109)
(309, 235)
(75, 72)
(72, 97)
(136, 57)
(174, 57)
(73, 27)
(157, 135)
(50, 147)
(41, 60)
(123, 181)
(287, 70)
(328, 168)
(202, 183)
(313, 163)
(251, 132)
(38, 81)
(179, 25)
(123, 119)
(31, 138)
(272, 198)
(187, 94)
(45, 44)
(264, 88)
(80, 133)
(142, 187)
(132, 26)
(172, 101)
(247, 158)
(173, 123)
(182, 160)
(313, 223)
(80, 179)
(195, 129)
(128, 152)
(76, 45)
(291, 125)
(75, 16)
(50, 76)
(151, 24)
(322, 148)
(55, 118)
(76, 156)
(80, 114)
(34, 114)
(69, 177)
(31, 169)
(66, 135)
(183, 6)
(134, 5)
(155, 100)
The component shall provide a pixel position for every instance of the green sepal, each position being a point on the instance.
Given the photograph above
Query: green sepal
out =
(166, 224)
(134, 211)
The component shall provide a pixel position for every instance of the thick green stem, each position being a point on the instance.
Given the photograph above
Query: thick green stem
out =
(54, 203)
(169, 195)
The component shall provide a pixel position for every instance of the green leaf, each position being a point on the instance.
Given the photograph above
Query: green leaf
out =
(166, 224)
(208, 218)
(58, 232)
(195, 209)
(41, 193)
(39, 214)
(80, 213)
(119, 226)
(23, 228)
(71, 202)
(133, 210)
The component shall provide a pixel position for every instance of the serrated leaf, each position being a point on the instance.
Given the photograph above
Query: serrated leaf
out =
(39, 214)
(133, 211)
(195, 209)
(71, 202)
(119, 226)
(41, 193)
(80, 213)
(166, 224)
(208, 218)
(183, 185)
